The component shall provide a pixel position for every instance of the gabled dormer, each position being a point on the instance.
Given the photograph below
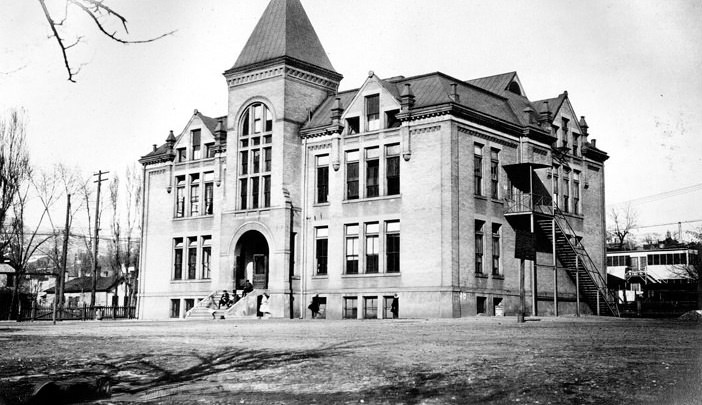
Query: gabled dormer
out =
(197, 140)
(374, 107)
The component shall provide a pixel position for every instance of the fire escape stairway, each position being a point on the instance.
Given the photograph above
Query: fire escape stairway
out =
(568, 248)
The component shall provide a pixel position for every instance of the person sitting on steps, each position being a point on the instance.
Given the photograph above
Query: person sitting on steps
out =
(248, 287)
(224, 300)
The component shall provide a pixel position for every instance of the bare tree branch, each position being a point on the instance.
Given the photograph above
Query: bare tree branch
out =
(95, 9)
(53, 24)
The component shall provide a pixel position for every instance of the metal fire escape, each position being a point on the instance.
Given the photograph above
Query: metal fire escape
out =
(538, 211)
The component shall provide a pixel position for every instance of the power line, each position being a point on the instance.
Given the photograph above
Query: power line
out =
(666, 224)
(660, 196)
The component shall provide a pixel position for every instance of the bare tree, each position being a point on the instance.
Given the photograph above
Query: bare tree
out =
(68, 181)
(14, 167)
(116, 257)
(133, 187)
(107, 20)
(24, 240)
(623, 221)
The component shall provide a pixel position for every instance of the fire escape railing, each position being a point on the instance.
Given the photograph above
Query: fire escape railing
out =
(586, 261)
(529, 202)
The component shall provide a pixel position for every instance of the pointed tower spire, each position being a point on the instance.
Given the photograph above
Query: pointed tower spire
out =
(284, 31)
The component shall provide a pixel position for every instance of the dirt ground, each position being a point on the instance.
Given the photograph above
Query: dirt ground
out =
(565, 360)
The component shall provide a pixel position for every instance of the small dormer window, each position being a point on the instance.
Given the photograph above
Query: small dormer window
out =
(373, 112)
(180, 155)
(391, 120)
(352, 125)
(514, 88)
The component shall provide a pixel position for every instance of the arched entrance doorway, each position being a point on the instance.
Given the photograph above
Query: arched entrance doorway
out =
(251, 260)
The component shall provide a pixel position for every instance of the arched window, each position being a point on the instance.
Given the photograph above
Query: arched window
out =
(255, 157)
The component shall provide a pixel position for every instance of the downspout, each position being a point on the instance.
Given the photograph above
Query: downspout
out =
(291, 262)
(303, 238)
(142, 249)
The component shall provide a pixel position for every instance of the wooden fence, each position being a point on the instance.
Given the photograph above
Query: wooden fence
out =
(83, 313)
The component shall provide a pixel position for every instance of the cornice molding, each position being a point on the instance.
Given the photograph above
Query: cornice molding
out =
(490, 138)
(425, 130)
(320, 146)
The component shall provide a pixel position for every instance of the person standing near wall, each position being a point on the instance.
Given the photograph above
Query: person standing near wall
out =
(395, 307)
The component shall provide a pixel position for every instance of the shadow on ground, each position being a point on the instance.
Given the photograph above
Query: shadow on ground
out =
(146, 377)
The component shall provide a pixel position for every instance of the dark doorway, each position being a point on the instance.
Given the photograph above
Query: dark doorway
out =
(251, 260)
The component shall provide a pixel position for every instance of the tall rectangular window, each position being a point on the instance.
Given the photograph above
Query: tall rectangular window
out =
(373, 112)
(564, 129)
(392, 169)
(178, 259)
(352, 175)
(576, 144)
(321, 248)
(392, 247)
(372, 247)
(258, 118)
(370, 307)
(322, 178)
(266, 191)
(195, 138)
(478, 169)
(352, 249)
(192, 258)
(372, 172)
(566, 191)
(267, 156)
(180, 196)
(576, 192)
(496, 250)
(175, 308)
(206, 256)
(256, 161)
(209, 193)
(350, 308)
(244, 162)
(494, 172)
(194, 194)
(242, 194)
(254, 192)
(479, 246)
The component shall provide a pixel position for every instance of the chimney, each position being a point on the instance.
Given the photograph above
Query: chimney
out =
(154, 147)
(527, 115)
(583, 125)
(545, 113)
(220, 134)
(336, 111)
(454, 93)
(593, 142)
(170, 141)
(407, 98)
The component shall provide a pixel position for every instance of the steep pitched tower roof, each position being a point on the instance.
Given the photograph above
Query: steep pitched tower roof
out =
(284, 31)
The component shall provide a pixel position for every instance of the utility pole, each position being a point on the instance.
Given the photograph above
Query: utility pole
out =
(97, 230)
(61, 281)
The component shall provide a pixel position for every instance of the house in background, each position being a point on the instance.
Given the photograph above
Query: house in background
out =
(426, 187)
(77, 291)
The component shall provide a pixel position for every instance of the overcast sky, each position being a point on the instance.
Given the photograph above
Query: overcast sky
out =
(633, 68)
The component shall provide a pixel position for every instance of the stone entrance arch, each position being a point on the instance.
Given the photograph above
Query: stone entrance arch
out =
(252, 257)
